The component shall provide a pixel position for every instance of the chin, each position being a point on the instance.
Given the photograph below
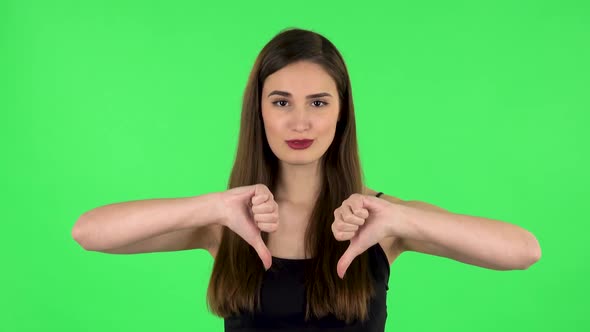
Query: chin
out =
(299, 161)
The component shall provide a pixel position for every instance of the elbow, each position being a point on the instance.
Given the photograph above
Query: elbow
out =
(79, 234)
(533, 254)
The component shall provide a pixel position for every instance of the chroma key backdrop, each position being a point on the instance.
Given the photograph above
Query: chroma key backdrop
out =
(479, 107)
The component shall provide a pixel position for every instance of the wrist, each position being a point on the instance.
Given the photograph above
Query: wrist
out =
(400, 221)
(219, 208)
(207, 209)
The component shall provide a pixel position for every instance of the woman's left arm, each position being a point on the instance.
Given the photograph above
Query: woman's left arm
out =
(493, 244)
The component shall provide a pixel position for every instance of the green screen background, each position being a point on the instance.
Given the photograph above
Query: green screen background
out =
(480, 108)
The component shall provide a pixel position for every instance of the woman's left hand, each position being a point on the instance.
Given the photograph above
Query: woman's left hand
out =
(364, 220)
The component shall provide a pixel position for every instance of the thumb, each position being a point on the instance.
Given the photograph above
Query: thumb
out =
(258, 244)
(247, 191)
(349, 255)
(372, 202)
(257, 194)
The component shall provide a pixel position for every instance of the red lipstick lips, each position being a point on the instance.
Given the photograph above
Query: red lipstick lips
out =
(299, 144)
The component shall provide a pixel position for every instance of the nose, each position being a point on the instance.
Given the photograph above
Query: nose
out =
(300, 120)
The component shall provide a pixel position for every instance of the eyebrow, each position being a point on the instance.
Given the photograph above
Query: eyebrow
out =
(287, 94)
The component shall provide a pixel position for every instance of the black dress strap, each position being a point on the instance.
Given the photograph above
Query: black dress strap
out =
(379, 194)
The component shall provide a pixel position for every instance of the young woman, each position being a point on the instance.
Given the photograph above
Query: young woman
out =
(298, 240)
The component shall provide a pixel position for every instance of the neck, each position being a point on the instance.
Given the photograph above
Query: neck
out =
(298, 184)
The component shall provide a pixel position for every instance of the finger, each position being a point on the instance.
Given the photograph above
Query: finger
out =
(259, 199)
(345, 227)
(258, 244)
(361, 213)
(268, 227)
(349, 255)
(372, 202)
(343, 236)
(267, 217)
(261, 189)
(266, 207)
(355, 202)
(353, 220)
(349, 217)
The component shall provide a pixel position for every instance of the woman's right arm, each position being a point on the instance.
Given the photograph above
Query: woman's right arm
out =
(153, 225)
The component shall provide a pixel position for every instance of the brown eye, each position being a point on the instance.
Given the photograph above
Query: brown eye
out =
(321, 103)
(280, 103)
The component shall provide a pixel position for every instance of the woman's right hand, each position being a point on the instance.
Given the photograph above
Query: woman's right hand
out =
(248, 210)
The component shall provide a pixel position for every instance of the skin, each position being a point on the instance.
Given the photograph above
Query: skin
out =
(295, 117)
(395, 224)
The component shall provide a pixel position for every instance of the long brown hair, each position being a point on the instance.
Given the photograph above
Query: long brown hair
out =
(237, 273)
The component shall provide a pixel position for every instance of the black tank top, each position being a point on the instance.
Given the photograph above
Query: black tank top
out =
(283, 300)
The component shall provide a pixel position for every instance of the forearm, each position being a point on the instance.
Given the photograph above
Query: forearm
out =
(119, 224)
(474, 240)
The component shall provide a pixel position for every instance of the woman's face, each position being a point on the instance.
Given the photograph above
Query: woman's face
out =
(300, 101)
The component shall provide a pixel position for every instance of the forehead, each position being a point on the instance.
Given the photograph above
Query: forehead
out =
(300, 78)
